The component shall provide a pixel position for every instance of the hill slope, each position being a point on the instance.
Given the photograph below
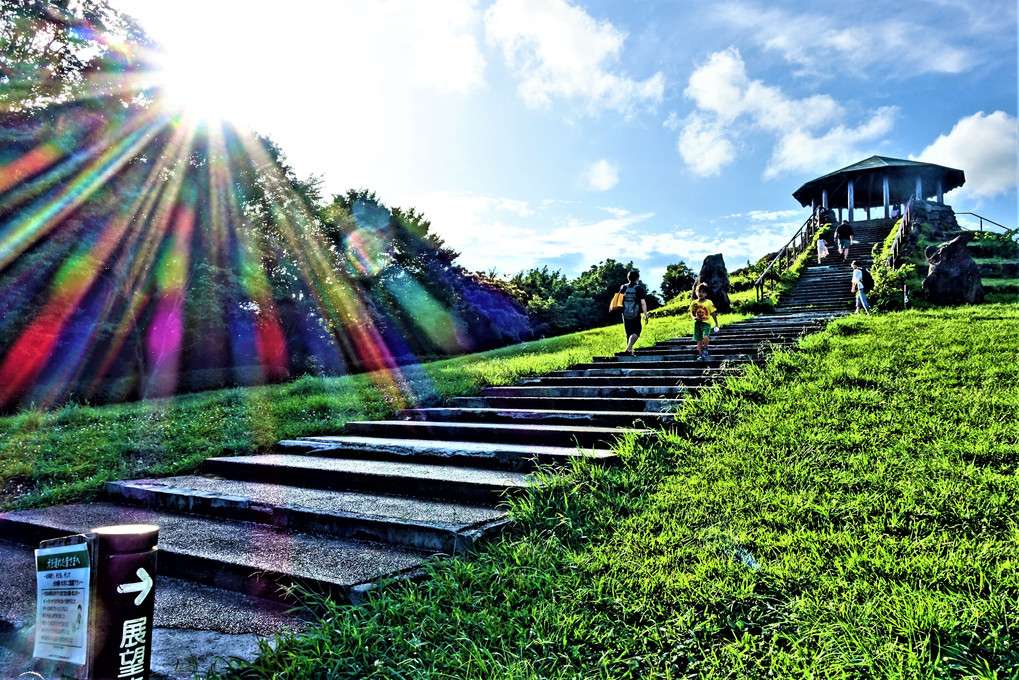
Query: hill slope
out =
(849, 510)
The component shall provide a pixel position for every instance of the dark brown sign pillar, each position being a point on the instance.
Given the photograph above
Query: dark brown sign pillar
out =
(125, 601)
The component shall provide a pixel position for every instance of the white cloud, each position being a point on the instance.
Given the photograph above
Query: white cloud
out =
(800, 150)
(730, 106)
(765, 215)
(705, 146)
(491, 235)
(983, 146)
(823, 43)
(737, 246)
(617, 212)
(558, 51)
(601, 175)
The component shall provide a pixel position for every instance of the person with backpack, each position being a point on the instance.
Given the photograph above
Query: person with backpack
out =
(634, 304)
(844, 238)
(863, 283)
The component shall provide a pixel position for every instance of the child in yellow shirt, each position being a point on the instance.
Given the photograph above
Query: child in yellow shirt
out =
(701, 309)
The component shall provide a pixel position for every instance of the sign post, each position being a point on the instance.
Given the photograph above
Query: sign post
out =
(125, 601)
(95, 600)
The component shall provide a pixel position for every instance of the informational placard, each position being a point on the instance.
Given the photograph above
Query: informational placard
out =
(63, 579)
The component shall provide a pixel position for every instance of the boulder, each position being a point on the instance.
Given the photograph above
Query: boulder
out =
(714, 273)
(953, 277)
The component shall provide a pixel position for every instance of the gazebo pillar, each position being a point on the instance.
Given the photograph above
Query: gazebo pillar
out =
(919, 188)
(851, 200)
(824, 198)
(941, 197)
(886, 194)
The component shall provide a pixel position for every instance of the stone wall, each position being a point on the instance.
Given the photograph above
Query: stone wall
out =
(940, 216)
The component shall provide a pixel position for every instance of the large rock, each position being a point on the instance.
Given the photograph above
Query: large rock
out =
(953, 277)
(714, 273)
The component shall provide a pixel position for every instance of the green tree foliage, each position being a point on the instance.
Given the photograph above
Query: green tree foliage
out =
(678, 280)
(54, 52)
(558, 305)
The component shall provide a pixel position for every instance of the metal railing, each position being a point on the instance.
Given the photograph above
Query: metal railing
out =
(787, 253)
(906, 227)
(1008, 233)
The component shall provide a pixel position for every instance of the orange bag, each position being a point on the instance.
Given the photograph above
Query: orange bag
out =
(617, 303)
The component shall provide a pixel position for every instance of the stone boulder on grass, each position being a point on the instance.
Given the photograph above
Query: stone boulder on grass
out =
(953, 277)
(714, 273)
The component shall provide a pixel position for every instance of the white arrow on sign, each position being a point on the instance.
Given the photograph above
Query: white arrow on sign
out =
(142, 587)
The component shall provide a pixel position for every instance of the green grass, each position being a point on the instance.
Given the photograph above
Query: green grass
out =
(848, 510)
(68, 454)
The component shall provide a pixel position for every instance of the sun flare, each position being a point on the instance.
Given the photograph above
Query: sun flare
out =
(207, 85)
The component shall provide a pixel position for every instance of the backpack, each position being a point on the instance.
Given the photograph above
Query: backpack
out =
(631, 303)
(868, 281)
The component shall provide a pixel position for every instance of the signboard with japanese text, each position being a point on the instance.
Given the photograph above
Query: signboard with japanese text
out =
(63, 582)
(125, 598)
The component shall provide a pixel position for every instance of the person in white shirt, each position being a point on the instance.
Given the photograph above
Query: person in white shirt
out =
(858, 288)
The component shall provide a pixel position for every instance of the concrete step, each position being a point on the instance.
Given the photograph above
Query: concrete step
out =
(492, 456)
(634, 404)
(663, 391)
(617, 381)
(679, 359)
(418, 480)
(617, 419)
(639, 370)
(256, 559)
(422, 524)
(502, 433)
(721, 340)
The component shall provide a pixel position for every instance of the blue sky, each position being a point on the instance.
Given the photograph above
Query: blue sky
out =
(548, 132)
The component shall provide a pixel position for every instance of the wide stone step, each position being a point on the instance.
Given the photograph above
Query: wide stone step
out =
(505, 433)
(422, 524)
(256, 559)
(617, 381)
(419, 480)
(679, 359)
(664, 391)
(638, 370)
(537, 416)
(493, 456)
(720, 341)
(634, 404)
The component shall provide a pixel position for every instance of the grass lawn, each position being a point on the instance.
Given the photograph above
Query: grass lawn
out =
(68, 454)
(848, 510)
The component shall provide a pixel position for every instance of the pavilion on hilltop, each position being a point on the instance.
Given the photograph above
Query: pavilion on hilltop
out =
(879, 181)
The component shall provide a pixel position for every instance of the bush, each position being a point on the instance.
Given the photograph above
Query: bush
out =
(996, 245)
(888, 284)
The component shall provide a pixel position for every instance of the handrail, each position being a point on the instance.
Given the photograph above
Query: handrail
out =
(905, 227)
(1009, 233)
(806, 234)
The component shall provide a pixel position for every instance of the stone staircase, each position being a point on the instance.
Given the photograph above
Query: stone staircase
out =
(336, 514)
(825, 287)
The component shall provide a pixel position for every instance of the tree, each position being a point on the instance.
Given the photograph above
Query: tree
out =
(678, 279)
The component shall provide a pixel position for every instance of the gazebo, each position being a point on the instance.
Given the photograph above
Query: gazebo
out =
(878, 181)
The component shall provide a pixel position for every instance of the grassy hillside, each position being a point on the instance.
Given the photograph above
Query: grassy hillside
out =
(848, 510)
(68, 454)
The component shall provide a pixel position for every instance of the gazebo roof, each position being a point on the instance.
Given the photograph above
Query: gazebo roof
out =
(867, 178)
